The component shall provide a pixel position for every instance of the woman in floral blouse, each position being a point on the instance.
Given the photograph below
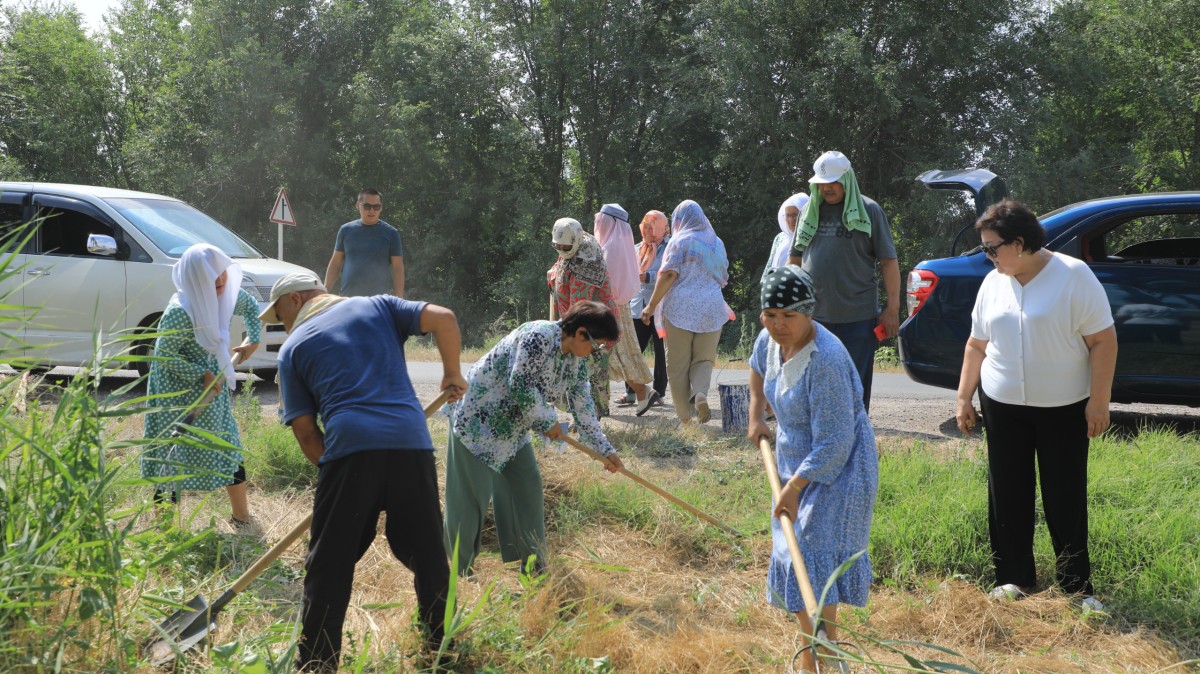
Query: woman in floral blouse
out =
(580, 273)
(513, 390)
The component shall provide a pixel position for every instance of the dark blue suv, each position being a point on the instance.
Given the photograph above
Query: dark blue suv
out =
(1144, 249)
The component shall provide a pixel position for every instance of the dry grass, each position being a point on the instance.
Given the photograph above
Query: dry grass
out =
(653, 601)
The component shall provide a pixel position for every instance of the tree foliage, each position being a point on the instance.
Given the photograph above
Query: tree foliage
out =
(482, 121)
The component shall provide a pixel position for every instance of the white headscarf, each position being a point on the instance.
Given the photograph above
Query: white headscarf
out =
(195, 277)
(798, 200)
(620, 256)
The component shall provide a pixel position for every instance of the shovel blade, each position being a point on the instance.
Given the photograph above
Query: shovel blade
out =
(182, 630)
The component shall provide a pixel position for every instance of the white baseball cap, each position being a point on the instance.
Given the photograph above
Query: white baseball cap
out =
(297, 282)
(829, 167)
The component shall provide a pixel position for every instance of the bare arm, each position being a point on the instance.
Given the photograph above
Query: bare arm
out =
(1102, 357)
(310, 437)
(664, 282)
(442, 323)
(795, 259)
(334, 271)
(968, 381)
(397, 275)
(891, 283)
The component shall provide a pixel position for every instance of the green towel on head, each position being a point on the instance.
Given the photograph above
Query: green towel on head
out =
(854, 212)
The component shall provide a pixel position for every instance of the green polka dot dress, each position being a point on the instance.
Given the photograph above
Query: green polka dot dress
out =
(183, 370)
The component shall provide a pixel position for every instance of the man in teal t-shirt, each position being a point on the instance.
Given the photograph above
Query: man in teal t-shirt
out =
(368, 257)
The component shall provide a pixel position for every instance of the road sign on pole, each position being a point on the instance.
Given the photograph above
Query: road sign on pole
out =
(282, 213)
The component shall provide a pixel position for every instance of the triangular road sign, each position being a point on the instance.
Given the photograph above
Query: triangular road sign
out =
(282, 211)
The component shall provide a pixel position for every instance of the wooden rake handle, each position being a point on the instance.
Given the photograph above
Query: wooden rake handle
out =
(297, 531)
(789, 532)
(653, 487)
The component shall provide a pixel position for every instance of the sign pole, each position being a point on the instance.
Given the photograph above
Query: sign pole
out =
(282, 213)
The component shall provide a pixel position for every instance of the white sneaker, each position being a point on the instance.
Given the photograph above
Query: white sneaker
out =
(703, 414)
(1006, 592)
(1090, 603)
(644, 405)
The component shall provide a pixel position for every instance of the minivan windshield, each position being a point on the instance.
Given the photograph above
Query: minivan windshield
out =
(174, 226)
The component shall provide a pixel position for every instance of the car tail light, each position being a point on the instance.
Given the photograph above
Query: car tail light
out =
(921, 283)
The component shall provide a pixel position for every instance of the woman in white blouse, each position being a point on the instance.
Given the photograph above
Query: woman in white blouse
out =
(1041, 353)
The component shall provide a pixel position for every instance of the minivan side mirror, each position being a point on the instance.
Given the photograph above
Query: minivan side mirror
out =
(102, 244)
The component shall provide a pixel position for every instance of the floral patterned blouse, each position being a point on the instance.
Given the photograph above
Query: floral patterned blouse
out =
(569, 289)
(511, 390)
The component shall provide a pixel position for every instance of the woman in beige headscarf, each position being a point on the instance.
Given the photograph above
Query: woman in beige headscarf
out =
(626, 362)
(580, 274)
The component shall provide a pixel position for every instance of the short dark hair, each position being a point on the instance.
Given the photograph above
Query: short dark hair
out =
(368, 192)
(596, 318)
(1013, 220)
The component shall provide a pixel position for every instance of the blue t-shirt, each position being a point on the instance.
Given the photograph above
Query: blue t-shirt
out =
(369, 250)
(347, 365)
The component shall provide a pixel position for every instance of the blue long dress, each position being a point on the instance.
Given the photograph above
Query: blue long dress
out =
(823, 435)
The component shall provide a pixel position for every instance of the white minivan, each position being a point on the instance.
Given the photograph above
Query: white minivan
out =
(99, 266)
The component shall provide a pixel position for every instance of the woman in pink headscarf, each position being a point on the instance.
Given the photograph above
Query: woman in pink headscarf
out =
(626, 362)
(656, 232)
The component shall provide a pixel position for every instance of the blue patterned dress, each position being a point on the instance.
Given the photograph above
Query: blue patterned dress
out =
(824, 436)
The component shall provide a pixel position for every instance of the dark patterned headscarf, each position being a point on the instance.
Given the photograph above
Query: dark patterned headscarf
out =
(789, 287)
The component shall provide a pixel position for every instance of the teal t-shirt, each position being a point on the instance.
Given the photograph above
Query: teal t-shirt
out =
(369, 249)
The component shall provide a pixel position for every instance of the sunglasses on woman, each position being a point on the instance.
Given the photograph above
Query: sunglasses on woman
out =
(992, 251)
(596, 346)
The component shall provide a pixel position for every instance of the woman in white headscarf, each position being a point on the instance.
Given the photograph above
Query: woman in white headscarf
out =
(580, 274)
(620, 256)
(194, 369)
(789, 217)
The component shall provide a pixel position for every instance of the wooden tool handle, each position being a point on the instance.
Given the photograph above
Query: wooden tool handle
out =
(789, 532)
(271, 555)
(652, 487)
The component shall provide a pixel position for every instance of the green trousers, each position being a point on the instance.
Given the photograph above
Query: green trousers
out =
(517, 505)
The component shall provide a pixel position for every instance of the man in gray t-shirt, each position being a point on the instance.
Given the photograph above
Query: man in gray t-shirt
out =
(368, 257)
(839, 239)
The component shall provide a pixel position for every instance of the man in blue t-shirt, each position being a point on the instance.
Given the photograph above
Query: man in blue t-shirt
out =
(344, 362)
(368, 257)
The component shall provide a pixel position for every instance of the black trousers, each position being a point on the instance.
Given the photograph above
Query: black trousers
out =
(1057, 438)
(351, 492)
(646, 334)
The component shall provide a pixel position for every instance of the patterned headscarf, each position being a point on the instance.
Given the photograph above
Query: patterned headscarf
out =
(585, 260)
(789, 287)
(195, 277)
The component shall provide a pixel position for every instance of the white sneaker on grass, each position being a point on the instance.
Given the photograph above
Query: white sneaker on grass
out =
(1090, 603)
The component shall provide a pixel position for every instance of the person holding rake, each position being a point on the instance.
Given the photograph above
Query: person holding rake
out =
(512, 390)
(825, 451)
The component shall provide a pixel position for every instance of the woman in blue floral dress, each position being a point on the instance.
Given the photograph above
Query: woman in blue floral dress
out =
(825, 449)
(195, 357)
(511, 391)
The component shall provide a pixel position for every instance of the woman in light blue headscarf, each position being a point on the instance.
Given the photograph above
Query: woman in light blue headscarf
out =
(688, 309)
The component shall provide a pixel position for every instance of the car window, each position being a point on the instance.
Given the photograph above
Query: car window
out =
(174, 226)
(11, 221)
(1165, 238)
(63, 231)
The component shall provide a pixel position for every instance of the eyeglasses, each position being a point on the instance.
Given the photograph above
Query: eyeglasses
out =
(596, 346)
(371, 207)
(562, 246)
(992, 251)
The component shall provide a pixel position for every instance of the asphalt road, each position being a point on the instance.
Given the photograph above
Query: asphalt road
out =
(899, 406)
